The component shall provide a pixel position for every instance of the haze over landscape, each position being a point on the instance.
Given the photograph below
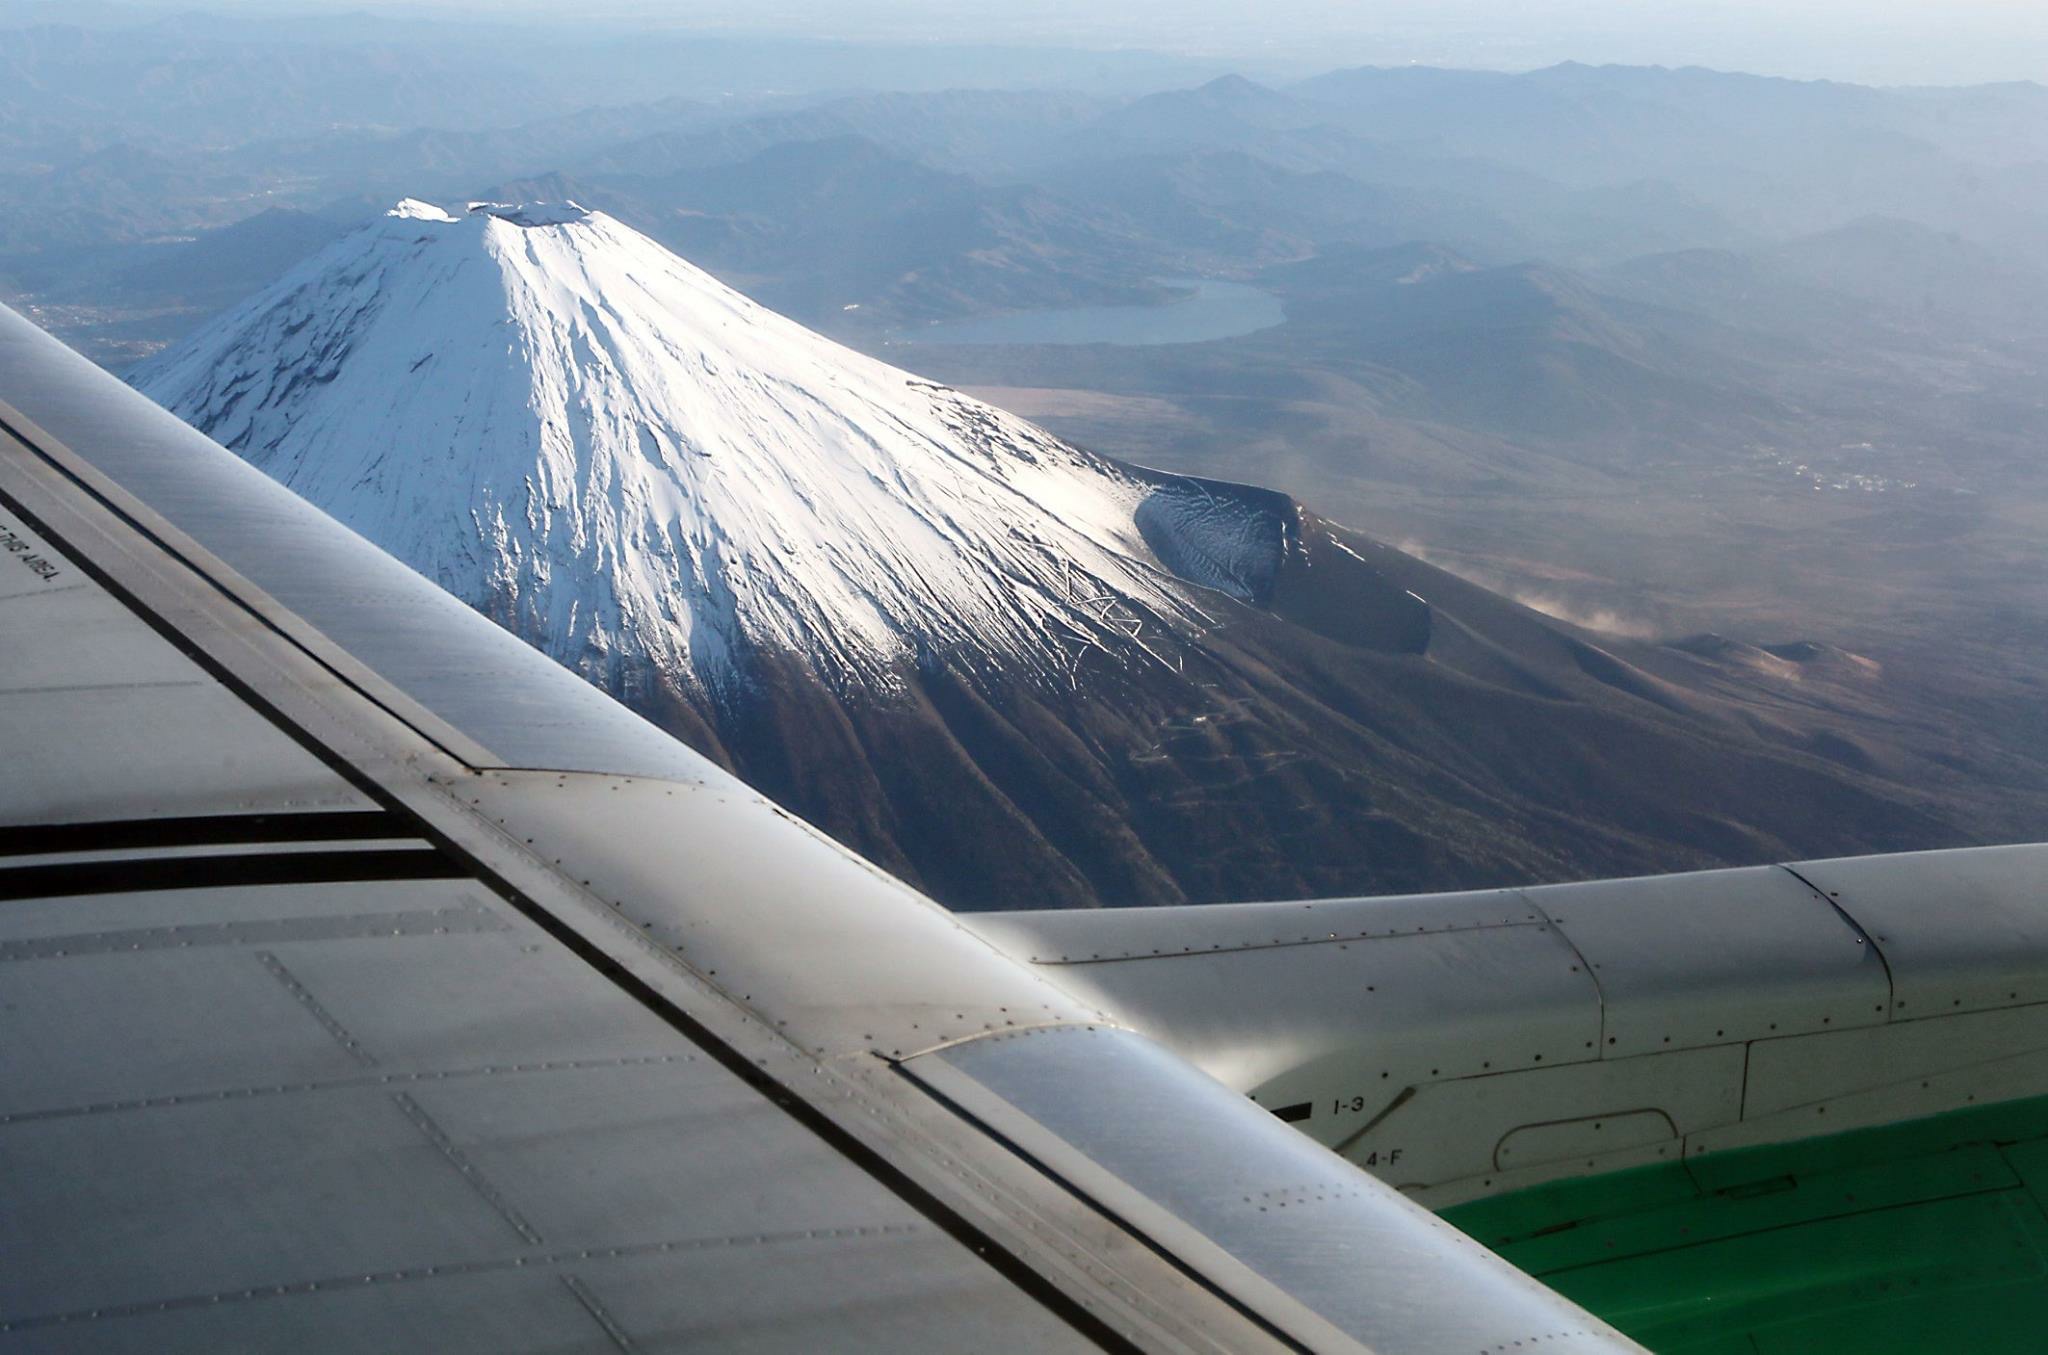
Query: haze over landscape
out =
(1684, 426)
(1906, 42)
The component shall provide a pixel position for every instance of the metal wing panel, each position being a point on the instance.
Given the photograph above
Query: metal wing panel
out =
(80, 674)
(1455, 1140)
(1331, 1031)
(1161, 1143)
(1078, 936)
(1960, 930)
(1989, 1048)
(214, 1144)
(776, 913)
(1715, 1010)
(1716, 956)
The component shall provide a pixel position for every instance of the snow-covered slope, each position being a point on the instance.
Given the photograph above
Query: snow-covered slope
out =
(625, 460)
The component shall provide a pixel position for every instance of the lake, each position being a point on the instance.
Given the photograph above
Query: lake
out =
(1216, 310)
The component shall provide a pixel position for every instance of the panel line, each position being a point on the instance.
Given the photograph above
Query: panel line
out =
(312, 1004)
(459, 1160)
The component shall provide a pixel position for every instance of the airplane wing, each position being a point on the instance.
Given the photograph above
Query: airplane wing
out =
(1785, 1108)
(367, 981)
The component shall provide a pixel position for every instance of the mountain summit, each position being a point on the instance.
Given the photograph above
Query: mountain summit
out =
(1013, 671)
(624, 460)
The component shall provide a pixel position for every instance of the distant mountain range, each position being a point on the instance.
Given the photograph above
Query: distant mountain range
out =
(964, 201)
(1011, 670)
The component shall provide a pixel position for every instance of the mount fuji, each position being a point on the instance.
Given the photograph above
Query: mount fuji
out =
(1012, 670)
(641, 470)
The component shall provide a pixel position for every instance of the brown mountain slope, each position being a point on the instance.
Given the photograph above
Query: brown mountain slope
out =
(1380, 726)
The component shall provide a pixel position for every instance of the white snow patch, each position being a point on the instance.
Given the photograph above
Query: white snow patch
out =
(412, 209)
(1331, 537)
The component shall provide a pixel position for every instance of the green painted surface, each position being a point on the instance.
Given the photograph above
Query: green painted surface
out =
(1927, 1236)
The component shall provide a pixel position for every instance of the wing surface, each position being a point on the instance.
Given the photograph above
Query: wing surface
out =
(1469, 1045)
(369, 982)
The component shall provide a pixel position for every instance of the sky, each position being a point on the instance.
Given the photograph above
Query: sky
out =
(1867, 41)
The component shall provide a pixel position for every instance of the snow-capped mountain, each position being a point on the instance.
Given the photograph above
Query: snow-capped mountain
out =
(1012, 671)
(622, 458)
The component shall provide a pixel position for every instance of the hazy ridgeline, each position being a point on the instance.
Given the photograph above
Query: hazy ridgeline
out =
(1657, 352)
